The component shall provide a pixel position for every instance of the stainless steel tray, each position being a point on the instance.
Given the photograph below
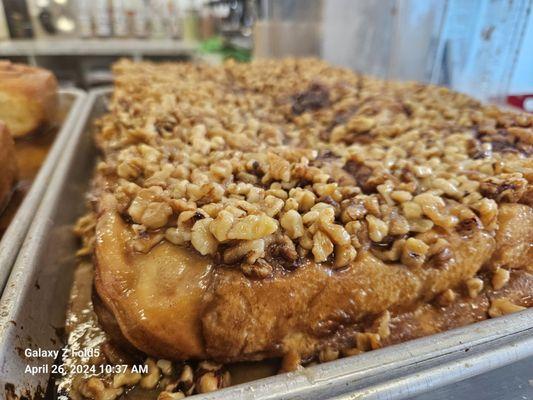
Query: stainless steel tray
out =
(72, 100)
(33, 308)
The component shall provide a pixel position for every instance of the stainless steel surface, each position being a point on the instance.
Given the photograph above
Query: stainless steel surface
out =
(37, 292)
(404, 370)
(32, 307)
(511, 382)
(13, 237)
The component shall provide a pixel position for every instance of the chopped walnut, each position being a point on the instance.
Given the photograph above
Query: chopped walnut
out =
(367, 341)
(292, 223)
(337, 162)
(322, 246)
(85, 228)
(250, 250)
(344, 255)
(377, 228)
(383, 325)
(211, 377)
(500, 278)
(503, 306)
(127, 378)
(150, 380)
(261, 269)
(504, 188)
(165, 366)
(253, 227)
(94, 388)
(414, 252)
(474, 286)
(202, 239)
(328, 354)
(164, 395)
(447, 297)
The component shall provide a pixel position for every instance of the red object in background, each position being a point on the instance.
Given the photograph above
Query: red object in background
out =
(524, 101)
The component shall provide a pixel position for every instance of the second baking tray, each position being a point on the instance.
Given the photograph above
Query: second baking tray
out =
(32, 312)
(70, 103)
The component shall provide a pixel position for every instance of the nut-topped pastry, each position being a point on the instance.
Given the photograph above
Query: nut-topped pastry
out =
(8, 166)
(293, 209)
(28, 97)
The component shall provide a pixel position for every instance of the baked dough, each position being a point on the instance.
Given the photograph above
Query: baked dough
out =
(280, 208)
(28, 97)
(8, 165)
(290, 209)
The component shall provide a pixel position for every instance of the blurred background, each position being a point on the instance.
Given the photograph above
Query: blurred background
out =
(480, 47)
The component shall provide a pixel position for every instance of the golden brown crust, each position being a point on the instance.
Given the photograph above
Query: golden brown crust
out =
(321, 198)
(312, 303)
(8, 166)
(28, 97)
(169, 281)
(433, 318)
(514, 237)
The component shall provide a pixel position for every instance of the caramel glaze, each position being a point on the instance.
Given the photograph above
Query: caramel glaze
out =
(217, 313)
(84, 332)
(420, 320)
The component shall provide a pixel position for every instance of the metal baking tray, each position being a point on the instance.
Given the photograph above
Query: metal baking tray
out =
(32, 311)
(70, 103)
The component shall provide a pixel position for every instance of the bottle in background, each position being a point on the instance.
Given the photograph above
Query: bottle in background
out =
(83, 12)
(41, 19)
(207, 22)
(102, 18)
(158, 28)
(191, 23)
(18, 19)
(139, 14)
(120, 18)
(3, 24)
(175, 20)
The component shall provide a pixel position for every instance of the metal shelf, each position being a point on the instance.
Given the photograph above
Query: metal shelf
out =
(96, 47)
